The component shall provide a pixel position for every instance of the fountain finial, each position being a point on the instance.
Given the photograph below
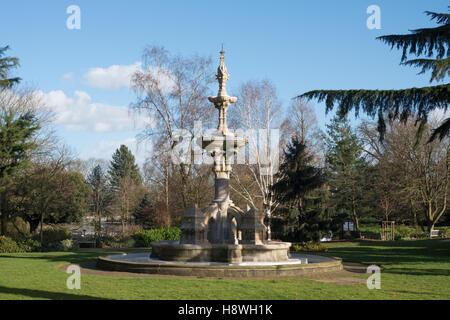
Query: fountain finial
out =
(222, 101)
(222, 75)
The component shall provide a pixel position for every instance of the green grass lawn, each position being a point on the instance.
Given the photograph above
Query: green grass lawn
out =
(412, 270)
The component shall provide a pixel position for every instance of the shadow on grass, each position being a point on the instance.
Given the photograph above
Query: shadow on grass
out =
(70, 257)
(40, 294)
(423, 295)
(419, 272)
(392, 253)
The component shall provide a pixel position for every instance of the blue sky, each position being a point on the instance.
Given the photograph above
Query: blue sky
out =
(299, 45)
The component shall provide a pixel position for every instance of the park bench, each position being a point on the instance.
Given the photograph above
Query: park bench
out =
(83, 239)
(437, 233)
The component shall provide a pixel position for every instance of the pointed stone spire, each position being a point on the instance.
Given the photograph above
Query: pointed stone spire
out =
(222, 75)
(222, 101)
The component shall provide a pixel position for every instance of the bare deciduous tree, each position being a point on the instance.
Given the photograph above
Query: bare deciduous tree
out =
(421, 169)
(258, 110)
(303, 124)
(172, 92)
(126, 198)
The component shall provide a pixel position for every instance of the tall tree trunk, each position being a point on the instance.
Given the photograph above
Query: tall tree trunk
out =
(430, 218)
(3, 211)
(269, 223)
(355, 216)
(414, 216)
(184, 178)
(430, 227)
(4, 223)
(416, 223)
(166, 185)
(41, 235)
(122, 214)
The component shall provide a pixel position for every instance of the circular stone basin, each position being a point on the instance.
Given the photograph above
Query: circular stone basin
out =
(171, 250)
(299, 264)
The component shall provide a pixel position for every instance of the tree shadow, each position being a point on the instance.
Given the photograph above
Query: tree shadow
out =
(388, 253)
(70, 256)
(419, 272)
(40, 294)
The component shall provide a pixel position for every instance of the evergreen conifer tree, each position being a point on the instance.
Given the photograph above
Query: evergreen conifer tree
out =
(6, 64)
(346, 167)
(123, 165)
(300, 191)
(16, 141)
(143, 213)
(406, 103)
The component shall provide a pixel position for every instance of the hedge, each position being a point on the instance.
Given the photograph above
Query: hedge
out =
(400, 232)
(52, 236)
(8, 245)
(146, 237)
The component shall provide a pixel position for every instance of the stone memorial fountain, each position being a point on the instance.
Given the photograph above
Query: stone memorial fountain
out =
(222, 232)
(221, 239)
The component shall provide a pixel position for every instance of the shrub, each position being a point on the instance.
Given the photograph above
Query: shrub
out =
(29, 245)
(146, 237)
(75, 245)
(8, 245)
(53, 246)
(308, 247)
(173, 233)
(52, 236)
(423, 235)
(63, 245)
(112, 242)
(17, 229)
(66, 244)
(400, 232)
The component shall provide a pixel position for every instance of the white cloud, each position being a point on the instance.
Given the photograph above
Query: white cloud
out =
(118, 76)
(81, 114)
(67, 76)
(113, 77)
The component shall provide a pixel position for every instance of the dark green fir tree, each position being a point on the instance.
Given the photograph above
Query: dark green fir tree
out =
(123, 164)
(302, 217)
(6, 64)
(17, 133)
(431, 48)
(346, 168)
(144, 213)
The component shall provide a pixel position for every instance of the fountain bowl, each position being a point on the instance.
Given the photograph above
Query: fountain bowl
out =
(231, 253)
(297, 266)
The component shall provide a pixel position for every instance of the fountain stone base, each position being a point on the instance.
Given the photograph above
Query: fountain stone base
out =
(228, 253)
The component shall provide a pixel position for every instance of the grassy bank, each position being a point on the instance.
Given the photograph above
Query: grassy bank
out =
(412, 270)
